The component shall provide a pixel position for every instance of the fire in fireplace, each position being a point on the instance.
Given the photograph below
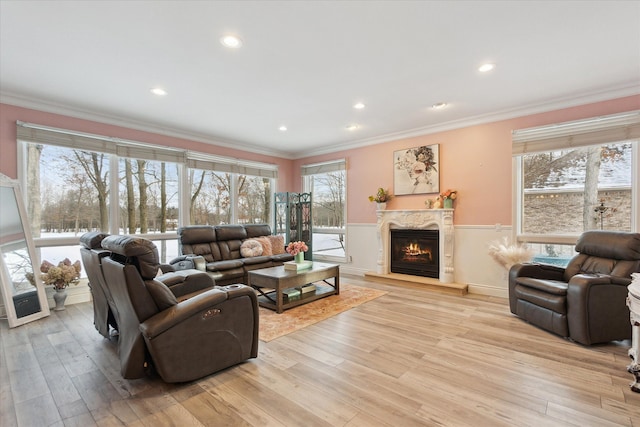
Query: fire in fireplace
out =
(415, 251)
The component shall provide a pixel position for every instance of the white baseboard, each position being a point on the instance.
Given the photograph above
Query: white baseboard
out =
(494, 291)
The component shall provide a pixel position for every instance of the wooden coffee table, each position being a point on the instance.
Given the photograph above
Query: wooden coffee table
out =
(270, 282)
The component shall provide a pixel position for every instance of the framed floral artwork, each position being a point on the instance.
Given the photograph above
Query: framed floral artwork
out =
(416, 170)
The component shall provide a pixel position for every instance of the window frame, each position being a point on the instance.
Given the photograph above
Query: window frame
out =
(307, 173)
(616, 128)
(117, 148)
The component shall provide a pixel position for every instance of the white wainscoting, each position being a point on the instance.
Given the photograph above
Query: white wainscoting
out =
(472, 266)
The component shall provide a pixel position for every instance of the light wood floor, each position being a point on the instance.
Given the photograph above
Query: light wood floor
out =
(409, 358)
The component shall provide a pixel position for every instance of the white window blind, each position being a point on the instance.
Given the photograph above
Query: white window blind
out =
(579, 133)
(34, 133)
(230, 165)
(149, 152)
(326, 167)
(29, 132)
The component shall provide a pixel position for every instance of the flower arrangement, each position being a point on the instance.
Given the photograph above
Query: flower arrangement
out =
(449, 194)
(61, 275)
(382, 196)
(508, 255)
(294, 248)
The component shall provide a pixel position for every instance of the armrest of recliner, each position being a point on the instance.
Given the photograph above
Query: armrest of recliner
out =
(189, 262)
(183, 282)
(167, 268)
(537, 271)
(202, 303)
(595, 305)
(533, 270)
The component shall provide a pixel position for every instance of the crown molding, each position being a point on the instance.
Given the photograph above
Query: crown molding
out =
(66, 110)
(529, 109)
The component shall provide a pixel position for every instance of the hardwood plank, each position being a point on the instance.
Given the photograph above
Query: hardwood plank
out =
(412, 357)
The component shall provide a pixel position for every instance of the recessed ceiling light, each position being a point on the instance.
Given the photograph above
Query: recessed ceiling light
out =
(282, 128)
(353, 127)
(486, 67)
(439, 106)
(232, 42)
(158, 91)
(358, 106)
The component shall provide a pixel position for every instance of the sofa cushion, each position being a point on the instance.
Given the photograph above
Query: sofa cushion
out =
(277, 244)
(267, 250)
(256, 260)
(224, 265)
(230, 232)
(280, 258)
(196, 234)
(251, 248)
(256, 230)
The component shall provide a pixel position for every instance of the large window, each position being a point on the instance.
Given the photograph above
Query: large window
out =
(568, 184)
(327, 184)
(77, 183)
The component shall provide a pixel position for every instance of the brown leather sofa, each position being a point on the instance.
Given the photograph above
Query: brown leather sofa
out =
(586, 300)
(220, 247)
(207, 331)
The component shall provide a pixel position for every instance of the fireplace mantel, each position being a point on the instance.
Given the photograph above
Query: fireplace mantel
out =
(440, 219)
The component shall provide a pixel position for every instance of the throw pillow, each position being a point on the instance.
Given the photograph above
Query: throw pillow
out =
(277, 244)
(250, 248)
(266, 245)
(161, 294)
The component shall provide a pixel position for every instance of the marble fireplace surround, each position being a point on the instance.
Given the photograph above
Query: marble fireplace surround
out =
(431, 219)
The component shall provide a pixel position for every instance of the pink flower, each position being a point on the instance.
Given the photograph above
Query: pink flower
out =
(294, 248)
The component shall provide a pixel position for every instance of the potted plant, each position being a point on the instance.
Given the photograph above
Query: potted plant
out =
(448, 197)
(60, 277)
(381, 198)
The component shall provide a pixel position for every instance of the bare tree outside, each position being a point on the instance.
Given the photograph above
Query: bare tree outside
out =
(130, 197)
(34, 206)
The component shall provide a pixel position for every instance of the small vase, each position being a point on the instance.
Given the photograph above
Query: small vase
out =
(381, 206)
(448, 203)
(60, 296)
(299, 257)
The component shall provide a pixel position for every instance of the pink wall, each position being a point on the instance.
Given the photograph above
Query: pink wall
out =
(9, 114)
(475, 160)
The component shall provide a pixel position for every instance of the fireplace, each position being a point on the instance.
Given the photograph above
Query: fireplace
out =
(438, 220)
(415, 252)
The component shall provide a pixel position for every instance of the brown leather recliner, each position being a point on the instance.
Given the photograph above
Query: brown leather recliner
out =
(181, 283)
(92, 254)
(183, 341)
(586, 300)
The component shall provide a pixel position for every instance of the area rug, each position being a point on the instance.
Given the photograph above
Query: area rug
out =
(274, 325)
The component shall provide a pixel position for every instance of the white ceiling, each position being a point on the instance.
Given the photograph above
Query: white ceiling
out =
(305, 63)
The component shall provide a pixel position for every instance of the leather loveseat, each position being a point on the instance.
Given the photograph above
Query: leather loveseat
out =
(586, 300)
(221, 246)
